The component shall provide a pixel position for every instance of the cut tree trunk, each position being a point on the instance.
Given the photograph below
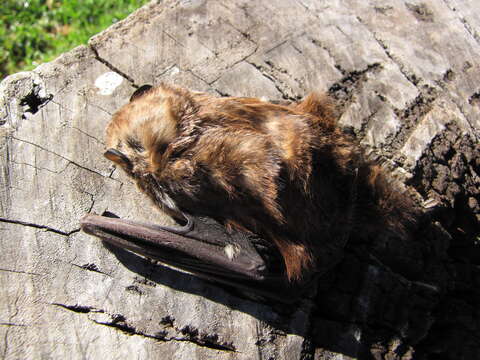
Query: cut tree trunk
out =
(405, 76)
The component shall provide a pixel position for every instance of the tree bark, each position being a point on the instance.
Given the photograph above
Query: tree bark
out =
(405, 77)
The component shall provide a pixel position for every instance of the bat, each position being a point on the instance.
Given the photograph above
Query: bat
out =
(265, 195)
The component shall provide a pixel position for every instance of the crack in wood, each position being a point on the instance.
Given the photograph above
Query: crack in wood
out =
(344, 89)
(119, 322)
(35, 167)
(272, 79)
(411, 77)
(79, 308)
(91, 267)
(469, 28)
(39, 226)
(11, 324)
(20, 272)
(64, 158)
(111, 66)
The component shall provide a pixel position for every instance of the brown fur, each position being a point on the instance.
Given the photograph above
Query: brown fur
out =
(287, 173)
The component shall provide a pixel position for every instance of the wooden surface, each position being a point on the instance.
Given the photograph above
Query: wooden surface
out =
(405, 75)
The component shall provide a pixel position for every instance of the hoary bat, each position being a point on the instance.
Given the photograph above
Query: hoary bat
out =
(265, 195)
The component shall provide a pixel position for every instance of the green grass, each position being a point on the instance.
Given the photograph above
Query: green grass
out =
(37, 31)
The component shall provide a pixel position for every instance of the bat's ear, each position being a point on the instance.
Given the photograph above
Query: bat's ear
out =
(118, 158)
(140, 91)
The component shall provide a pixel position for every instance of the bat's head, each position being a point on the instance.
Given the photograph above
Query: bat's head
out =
(140, 133)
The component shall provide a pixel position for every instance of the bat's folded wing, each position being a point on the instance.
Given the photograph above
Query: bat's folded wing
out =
(205, 248)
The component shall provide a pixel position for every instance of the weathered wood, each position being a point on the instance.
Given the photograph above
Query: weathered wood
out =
(405, 75)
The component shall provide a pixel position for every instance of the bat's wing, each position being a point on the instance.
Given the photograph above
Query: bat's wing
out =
(205, 248)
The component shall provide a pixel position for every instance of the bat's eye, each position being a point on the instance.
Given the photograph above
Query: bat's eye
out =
(140, 91)
(118, 158)
(135, 144)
